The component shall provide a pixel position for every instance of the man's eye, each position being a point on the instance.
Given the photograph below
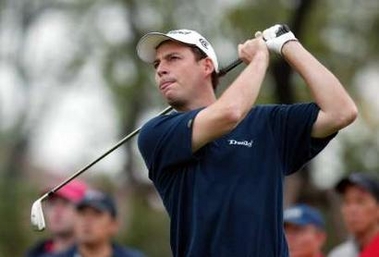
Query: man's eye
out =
(155, 65)
(174, 57)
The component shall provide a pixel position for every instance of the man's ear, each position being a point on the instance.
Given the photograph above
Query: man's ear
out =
(115, 226)
(208, 65)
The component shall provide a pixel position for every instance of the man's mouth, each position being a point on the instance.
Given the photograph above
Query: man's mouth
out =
(164, 84)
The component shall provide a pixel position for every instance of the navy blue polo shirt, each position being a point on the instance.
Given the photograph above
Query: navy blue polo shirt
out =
(226, 199)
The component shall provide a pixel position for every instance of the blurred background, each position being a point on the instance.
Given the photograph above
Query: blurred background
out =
(71, 86)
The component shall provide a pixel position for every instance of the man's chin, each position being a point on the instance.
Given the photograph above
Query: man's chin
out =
(175, 103)
(65, 233)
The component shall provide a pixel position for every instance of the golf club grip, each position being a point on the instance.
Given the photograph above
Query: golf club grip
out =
(222, 72)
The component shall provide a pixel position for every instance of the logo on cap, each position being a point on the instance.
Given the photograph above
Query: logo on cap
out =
(303, 214)
(204, 43)
(179, 31)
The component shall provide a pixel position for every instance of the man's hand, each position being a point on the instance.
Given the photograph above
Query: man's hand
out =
(276, 36)
(251, 48)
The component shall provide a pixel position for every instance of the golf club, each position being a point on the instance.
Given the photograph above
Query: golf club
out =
(37, 218)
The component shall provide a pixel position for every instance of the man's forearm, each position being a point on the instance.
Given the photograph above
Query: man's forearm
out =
(228, 111)
(245, 89)
(337, 108)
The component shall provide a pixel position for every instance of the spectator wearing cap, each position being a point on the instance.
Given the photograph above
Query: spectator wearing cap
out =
(60, 219)
(304, 230)
(96, 225)
(360, 211)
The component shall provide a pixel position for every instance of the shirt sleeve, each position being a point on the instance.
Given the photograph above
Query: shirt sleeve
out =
(292, 126)
(166, 141)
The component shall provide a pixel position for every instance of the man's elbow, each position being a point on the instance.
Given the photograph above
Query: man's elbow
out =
(347, 116)
(329, 123)
(233, 115)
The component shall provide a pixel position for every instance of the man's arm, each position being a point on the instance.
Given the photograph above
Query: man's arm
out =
(230, 109)
(337, 109)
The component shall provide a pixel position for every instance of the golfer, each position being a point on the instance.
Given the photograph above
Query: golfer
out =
(219, 163)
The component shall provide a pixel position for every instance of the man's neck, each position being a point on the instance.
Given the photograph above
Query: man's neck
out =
(193, 105)
(98, 250)
(61, 243)
(204, 98)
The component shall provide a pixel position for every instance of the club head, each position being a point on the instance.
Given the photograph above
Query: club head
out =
(36, 216)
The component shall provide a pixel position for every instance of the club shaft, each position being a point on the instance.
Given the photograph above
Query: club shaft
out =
(125, 139)
(117, 145)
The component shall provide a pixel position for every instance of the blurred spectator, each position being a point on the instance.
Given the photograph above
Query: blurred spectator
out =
(96, 225)
(59, 210)
(360, 211)
(304, 229)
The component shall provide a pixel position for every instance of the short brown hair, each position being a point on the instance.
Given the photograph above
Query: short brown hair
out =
(199, 55)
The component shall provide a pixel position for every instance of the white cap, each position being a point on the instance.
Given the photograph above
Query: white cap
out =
(146, 47)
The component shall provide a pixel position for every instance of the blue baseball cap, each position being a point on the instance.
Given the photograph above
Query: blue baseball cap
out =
(303, 215)
(99, 201)
(368, 182)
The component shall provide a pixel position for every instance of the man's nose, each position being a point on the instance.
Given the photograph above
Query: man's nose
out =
(162, 69)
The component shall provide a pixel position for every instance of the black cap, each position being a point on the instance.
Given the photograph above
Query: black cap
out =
(366, 181)
(99, 201)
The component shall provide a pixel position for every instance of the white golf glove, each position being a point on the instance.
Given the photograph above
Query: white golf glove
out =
(276, 36)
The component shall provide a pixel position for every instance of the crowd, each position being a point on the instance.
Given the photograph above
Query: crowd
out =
(82, 222)
(305, 226)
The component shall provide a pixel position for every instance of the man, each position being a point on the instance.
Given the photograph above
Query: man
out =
(96, 225)
(60, 217)
(305, 231)
(360, 211)
(219, 164)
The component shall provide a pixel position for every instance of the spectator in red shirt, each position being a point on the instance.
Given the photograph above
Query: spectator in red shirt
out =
(360, 211)
(304, 229)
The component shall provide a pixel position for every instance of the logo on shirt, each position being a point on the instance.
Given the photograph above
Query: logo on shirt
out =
(242, 143)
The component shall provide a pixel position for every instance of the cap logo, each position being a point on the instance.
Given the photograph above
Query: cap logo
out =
(293, 214)
(204, 43)
(183, 32)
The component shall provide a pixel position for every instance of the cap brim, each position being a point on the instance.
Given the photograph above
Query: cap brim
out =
(351, 181)
(295, 222)
(146, 47)
(57, 194)
(92, 204)
(302, 223)
(342, 185)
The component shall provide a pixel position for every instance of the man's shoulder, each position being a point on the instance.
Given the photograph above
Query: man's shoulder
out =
(39, 248)
(122, 251)
(70, 252)
(277, 110)
(372, 249)
(345, 249)
(168, 120)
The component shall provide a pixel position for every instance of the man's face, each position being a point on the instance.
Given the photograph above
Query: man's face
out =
(360, 210)
(180, 78)
(304, 241)
(60, 216)
(94, 226)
